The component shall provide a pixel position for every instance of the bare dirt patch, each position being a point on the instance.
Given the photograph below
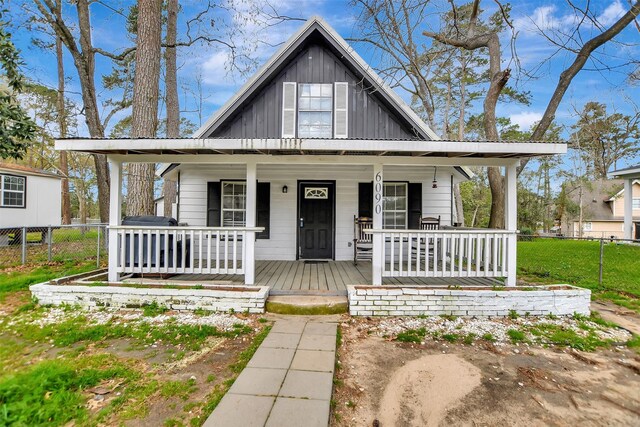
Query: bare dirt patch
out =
(387, 383)
(440, 379)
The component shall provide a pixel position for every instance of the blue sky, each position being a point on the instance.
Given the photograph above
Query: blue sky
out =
(209, 64)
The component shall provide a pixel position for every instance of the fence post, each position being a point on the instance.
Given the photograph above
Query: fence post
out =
(24, 245)
(49, 239)
(601, 261)
(98, 248)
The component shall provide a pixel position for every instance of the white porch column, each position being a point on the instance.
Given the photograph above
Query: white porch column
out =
(249, 258)
(628, 208)
(115, 216)
(377, 262)
(511, 219)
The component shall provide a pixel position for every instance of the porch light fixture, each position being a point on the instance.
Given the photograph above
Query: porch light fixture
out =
(434, 184)
(285, 189)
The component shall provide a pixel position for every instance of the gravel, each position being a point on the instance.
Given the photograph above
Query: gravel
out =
(497, 327)
(222, 321)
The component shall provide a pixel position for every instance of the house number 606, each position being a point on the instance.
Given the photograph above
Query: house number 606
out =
(378, 193)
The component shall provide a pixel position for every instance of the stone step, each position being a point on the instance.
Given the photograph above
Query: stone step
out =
(307, 304)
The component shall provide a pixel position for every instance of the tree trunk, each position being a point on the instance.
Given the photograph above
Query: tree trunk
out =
(62, 125)
(85, 63)
(144, 119)
(171, 94)
(83, 59)
(499, 79)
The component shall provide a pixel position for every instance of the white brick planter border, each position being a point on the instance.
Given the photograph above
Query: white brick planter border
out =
(410, 301)
(242, 300)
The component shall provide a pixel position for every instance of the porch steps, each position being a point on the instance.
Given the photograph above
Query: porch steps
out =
(307, 304)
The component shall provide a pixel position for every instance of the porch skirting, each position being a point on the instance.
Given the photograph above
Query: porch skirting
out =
(237, 299)
(560, 300)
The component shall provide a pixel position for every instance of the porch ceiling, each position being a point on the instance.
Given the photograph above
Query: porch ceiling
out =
(325, 147)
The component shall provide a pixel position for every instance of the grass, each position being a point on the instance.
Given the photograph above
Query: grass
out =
(21, 279)
(412, 335)
(577, 263)
(51, 392)
(76, 330)
(315, 310)
(516, 336)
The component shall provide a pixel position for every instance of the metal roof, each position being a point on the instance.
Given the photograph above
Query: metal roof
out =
(298, 146)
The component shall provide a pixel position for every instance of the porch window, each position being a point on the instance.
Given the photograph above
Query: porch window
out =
(12, 189)
(636, 203)
(315, 110)
(234, 208)
(394, 205)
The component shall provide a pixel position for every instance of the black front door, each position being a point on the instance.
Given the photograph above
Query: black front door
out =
(637, 231)
(315, 219)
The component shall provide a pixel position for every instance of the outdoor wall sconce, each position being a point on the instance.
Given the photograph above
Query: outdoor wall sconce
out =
(285, 189)
(434, 184)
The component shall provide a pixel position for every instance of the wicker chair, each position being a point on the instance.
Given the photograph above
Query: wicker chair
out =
(362, 242)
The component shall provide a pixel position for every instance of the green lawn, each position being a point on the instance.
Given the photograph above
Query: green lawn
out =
(19, 279)
(576, 263)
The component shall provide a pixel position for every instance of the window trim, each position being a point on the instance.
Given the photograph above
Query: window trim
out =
(406, 204)
(330, 110)
(635, 201)
(223, 209)
(2, 190)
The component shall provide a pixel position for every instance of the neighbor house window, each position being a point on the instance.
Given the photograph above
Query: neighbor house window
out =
(394, 205)
(12, 189)
(315, 110)
(234, 207)
(636, 203)
(587, 226)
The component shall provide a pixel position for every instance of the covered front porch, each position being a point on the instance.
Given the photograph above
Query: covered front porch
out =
(323, 278)
(444, 256)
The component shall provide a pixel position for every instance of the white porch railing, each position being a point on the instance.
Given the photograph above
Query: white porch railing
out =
(444, 253)
(197, 250)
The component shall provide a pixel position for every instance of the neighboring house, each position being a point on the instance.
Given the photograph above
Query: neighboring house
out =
(159, 206)
(631, 205)
(602, 204)
(28, 198)
(313, 140)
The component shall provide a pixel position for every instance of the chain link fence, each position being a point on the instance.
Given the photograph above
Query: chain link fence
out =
(607, 261)
(38, 245)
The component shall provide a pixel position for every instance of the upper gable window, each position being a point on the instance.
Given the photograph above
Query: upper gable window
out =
(315, 110)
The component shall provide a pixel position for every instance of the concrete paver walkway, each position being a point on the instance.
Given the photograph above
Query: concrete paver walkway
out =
(287, 382)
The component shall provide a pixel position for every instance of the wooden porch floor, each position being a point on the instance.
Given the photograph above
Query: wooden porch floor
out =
(331, 277)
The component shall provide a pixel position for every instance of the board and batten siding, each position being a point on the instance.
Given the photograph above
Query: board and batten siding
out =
(261, 116)
(283, 224)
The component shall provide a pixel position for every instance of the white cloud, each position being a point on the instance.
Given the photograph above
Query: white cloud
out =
(612, 13)
(215, 69)
(525, 119)
(544, 18)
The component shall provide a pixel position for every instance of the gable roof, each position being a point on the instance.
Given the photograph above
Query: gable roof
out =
(287, 51)
(621, 192)
(26, 170)
(597, 198)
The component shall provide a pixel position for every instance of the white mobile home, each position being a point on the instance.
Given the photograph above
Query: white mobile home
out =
(29, 197)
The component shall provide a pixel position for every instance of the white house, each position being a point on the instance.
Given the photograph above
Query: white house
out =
(313, 140)
(29, 197)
